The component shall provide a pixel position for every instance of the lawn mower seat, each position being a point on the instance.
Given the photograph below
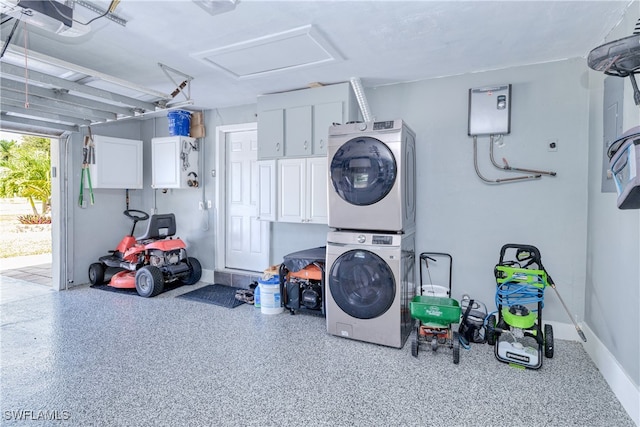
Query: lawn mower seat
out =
(159, 227)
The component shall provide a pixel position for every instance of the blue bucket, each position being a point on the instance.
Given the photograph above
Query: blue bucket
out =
(179, 122)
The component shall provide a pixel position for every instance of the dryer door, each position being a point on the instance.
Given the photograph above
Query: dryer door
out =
(362, 284)
(363, 171)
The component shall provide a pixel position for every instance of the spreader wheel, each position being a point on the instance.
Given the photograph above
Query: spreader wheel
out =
(414, 348)
(96, 273)
(548, 341)
(456, 347)
(149, 281)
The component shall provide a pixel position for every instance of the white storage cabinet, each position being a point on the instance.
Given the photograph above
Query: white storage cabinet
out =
(174, 162)
(296, 123)
(302, 190)
(118, 163)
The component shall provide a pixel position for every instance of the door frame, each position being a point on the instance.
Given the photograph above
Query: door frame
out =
(221, 190)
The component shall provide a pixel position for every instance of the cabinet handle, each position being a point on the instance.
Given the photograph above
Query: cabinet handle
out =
(305, 145)
(277, 146)
(321, 143)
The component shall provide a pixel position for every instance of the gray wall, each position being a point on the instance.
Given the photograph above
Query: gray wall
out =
(613, 251)
(459, 214)
(96, 229)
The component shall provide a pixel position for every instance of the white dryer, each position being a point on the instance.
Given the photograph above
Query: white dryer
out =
(372, 176)
(370, 280)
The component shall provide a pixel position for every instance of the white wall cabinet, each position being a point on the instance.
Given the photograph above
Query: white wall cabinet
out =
(296, 123)
(302, 190)
(297, 131)
(325, 115)
(174, 162)
(267, 190)
(271, 134)
(118, 163)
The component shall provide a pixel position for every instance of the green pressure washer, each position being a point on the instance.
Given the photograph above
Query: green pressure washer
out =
(518, 336)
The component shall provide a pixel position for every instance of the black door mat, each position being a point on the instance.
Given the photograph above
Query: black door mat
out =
(221, 295)
(131, 291)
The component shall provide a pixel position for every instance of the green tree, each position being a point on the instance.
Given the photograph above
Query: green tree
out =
(5, 150)
(25, 172)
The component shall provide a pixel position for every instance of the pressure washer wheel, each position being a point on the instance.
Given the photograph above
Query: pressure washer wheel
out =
(491, 331)
(548, 341)
(414, 347)
(149, 281)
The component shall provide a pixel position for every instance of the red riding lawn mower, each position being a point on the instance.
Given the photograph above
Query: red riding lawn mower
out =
(148, 262)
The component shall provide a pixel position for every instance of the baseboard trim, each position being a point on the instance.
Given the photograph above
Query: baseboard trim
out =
(622, 386)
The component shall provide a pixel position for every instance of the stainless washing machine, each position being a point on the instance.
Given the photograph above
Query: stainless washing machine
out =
(370, 280)
(372, 176)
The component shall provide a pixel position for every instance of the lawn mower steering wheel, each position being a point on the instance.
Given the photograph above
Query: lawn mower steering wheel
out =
(141, 217)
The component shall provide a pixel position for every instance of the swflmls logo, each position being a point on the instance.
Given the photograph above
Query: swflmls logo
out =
(433, 311)
(28, 415)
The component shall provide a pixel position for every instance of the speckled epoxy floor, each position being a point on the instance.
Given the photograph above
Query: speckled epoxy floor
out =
(95, 358)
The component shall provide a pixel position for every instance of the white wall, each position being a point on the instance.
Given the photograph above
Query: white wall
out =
(613, 275)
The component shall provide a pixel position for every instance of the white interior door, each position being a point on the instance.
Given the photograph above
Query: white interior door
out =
(247, 238)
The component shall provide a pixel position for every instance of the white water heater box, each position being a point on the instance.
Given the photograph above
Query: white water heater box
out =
(490, 110)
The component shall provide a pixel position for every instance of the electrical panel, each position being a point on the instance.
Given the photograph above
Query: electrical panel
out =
(490, 110)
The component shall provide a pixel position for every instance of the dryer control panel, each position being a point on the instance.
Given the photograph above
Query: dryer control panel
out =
(383, 125)
(382, 240)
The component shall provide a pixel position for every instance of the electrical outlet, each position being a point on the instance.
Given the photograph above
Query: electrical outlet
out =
(201, 205)
(552, 145)
(208, 204)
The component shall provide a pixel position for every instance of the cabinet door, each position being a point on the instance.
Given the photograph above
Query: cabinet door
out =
(118, 163)
(165, 170)
(324, 115)
(298, 131)
(271, 134)
(267, 190)
(291, 190)
(317, 184)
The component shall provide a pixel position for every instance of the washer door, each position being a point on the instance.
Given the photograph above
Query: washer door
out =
(362, 284)
(363, 171)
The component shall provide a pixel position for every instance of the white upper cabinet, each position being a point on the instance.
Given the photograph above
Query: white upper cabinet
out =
(271, 134)
(325, 115)
(296, 123)
(117, 163)
(174, 162)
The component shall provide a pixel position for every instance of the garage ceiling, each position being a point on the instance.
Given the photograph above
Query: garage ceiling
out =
(130, 63)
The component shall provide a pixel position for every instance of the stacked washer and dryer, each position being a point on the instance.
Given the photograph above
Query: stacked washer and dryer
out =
(370, 262)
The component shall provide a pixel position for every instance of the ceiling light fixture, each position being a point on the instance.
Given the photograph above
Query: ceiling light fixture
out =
(216, 7)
